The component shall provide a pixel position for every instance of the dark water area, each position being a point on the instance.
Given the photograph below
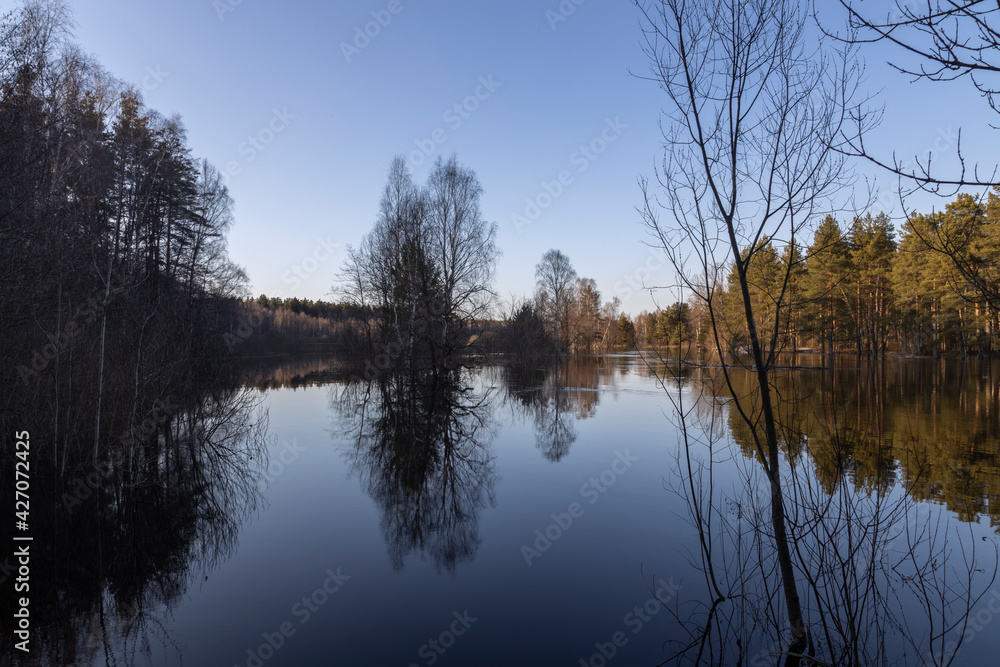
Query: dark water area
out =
(542, 515)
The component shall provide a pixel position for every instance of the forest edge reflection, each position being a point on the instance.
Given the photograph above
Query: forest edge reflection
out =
(932, 426)
(874, 567)
(857, 532)
(422, 449)
(163, 507)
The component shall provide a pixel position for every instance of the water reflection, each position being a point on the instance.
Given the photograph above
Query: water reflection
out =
(876, 562)
(556, 396)
(115, 547)
(931, 427)
(421, 446)
(881, 574)
(878, 567)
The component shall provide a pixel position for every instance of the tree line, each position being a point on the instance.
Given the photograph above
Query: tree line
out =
(927, 291)
(314, 308)
(113, 256)
(867, 291)
(863, 289)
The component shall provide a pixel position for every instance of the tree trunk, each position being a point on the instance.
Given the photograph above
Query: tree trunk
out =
(778, 519)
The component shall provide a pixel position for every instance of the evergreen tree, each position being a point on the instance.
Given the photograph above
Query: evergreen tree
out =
(828, 268)
(872, 245)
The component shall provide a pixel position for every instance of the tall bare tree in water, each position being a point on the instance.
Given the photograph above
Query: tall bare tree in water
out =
(463, 245)
(754, 114)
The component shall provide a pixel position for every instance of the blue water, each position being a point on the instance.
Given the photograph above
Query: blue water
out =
(337, 568)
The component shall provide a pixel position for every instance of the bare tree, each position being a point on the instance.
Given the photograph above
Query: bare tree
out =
(211, 219)
(427, 266)
(390, 266)
(554, 279)
(753, 120)
(463, 246)
(937, 40)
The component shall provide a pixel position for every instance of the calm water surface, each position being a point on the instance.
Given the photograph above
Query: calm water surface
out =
(529, 516)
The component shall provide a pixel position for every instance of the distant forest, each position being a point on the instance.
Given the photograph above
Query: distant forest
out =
(862, 290)
(857, 290)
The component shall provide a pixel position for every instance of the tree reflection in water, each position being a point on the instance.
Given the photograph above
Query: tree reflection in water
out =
(883, 578)
(556, 397)
(421, 446)
(162, 509)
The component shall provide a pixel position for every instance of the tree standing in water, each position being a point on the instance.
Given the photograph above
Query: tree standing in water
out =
(752, 123)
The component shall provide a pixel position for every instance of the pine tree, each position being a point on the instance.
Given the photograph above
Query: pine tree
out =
(872, 245)
(828, 268)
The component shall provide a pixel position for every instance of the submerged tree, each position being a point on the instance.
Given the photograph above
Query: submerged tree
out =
(753, 119)
(462, 246)
(427, 266)
(625, 332)
(523, 332)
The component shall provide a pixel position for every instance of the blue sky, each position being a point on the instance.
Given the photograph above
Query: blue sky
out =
(531, 94)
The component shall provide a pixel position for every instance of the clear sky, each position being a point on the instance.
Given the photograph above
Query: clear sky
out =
(531, 93)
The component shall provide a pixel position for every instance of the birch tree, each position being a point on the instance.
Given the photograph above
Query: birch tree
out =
(554, 279)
